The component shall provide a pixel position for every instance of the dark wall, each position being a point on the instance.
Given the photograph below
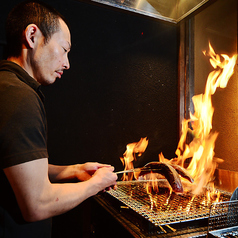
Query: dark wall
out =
(122, 86)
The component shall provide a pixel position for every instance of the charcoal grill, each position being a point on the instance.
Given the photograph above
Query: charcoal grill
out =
(158, 214)
(223, 220)
(164, 208)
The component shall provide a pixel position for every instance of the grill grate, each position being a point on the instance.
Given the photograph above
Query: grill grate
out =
(223, 215)
(163, 208)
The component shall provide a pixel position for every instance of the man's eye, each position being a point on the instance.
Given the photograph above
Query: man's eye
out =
(64, 49)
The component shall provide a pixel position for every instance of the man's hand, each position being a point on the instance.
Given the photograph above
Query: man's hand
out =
(103, 173)
(81, 172)
(85, 171)
(105, 177)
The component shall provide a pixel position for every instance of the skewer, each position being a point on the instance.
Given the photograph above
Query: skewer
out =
(135, 170)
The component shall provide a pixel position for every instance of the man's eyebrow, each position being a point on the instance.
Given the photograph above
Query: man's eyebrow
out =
(69, 45)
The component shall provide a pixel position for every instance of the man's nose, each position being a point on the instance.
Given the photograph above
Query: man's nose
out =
(66, 63)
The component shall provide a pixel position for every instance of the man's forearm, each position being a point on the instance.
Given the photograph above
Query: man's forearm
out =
(62, 172)
(39, 199)
(59, 198)
(80, 172)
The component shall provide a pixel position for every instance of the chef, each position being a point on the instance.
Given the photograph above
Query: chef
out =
(38, 41)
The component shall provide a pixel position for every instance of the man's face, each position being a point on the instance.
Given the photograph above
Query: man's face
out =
(51, 59)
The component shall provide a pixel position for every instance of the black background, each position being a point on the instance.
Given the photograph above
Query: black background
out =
(122, 86)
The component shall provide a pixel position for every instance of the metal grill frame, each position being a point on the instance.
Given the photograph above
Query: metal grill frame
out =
(163, 214)
(223, 215)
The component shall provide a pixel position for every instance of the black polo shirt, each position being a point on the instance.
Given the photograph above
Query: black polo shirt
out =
(22, 139)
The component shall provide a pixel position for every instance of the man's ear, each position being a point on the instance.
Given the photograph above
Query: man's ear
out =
(31, 34)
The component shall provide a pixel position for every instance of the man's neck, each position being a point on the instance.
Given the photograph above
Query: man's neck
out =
(21, 63)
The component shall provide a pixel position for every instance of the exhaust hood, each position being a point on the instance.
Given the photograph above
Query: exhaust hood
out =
(168, 10)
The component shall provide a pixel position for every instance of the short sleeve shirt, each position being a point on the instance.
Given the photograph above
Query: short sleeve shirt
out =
(22, 117)
(22, 139)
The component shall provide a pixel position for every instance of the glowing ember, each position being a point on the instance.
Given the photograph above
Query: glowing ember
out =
(201, 149)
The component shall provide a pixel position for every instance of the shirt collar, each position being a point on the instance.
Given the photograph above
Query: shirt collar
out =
(6, 65)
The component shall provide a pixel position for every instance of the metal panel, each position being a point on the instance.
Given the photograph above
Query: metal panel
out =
(172, 11)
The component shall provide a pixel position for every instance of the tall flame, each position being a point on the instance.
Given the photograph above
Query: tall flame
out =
(130, 155)
(201, 149)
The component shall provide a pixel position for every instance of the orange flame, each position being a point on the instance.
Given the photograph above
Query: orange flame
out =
(201, 149)
(130, 155)
(152, 184)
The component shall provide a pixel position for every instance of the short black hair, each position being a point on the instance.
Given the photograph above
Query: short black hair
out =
(30, 12)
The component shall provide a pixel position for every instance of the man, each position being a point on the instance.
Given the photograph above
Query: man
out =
(38, 40)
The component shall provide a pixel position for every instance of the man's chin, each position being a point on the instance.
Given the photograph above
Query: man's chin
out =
(47, 82)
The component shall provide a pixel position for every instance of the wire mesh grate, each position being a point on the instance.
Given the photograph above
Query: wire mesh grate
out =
(164, 207)
(223, 215)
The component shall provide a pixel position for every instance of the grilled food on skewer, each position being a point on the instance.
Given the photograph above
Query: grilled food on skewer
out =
(170, 172)
(180, 170)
